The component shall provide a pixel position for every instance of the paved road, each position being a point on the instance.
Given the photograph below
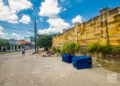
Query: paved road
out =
(33, 70)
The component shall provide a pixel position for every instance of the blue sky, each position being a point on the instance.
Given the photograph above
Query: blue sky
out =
(52, 15)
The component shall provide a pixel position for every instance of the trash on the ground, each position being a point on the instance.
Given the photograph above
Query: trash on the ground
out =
(48, 54)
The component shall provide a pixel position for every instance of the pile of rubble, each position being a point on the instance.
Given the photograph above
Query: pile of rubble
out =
(49, 54)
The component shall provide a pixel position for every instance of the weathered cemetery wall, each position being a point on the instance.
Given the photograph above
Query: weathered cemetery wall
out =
(103, 29)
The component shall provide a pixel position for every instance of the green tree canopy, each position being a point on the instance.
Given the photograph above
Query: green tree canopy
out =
(4, 42)
(44, 40)
(19, 45)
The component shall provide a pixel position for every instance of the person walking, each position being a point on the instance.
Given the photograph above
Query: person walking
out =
(23, 52)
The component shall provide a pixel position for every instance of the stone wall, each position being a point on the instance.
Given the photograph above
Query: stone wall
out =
(103, 29)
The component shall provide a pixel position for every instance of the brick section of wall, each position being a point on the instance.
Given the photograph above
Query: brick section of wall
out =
(103, 29)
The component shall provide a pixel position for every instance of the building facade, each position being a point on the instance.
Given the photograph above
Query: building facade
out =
(103, 29)
(29, 39)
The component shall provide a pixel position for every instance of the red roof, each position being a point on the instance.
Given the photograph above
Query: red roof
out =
(23, 42)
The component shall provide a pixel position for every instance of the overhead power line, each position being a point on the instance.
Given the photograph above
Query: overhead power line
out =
(6, 27)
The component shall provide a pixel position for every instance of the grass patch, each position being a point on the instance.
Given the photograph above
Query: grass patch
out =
(96, 48)
(8, 52)
(56, 49)
(70, 48)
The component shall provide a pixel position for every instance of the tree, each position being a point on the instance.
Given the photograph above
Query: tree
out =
(4, 42)
(44, 41)
(19, 45)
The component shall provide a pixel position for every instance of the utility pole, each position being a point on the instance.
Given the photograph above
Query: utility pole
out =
(35, 28)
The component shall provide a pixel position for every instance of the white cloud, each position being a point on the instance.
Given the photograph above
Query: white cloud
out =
(41, 19)
(8, 12)
(28, 32)
(3, 34)
(17, 36)
(5, 13)
(62, 0)
(49, 8)
(64, 9)
(78, 18)
(56, 25)
(18, 5)
(1, 28)
(25, 19)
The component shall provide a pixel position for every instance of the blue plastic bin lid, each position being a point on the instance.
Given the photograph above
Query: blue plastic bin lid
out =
(81, 57)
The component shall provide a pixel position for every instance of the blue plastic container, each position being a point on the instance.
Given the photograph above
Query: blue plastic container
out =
(67, 58)
(81, 62)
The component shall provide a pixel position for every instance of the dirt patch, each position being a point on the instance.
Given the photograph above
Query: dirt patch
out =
(1, 63)
(109, 65)
(2, 83)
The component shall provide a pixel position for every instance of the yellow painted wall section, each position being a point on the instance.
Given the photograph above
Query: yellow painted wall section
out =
(103, 29)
